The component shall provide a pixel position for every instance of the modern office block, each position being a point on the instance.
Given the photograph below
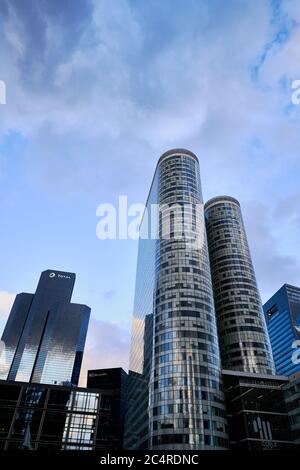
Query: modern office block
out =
(292, 399)
(51, 417)
(136, 435)
(257, 412)
(282, 313)
(175, 398)
(243, 336)
(45, 334)
(115, 381)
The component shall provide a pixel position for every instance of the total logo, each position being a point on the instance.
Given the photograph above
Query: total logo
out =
(62, 276)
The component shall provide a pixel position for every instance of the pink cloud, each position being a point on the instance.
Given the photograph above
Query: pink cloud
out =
(107, 345)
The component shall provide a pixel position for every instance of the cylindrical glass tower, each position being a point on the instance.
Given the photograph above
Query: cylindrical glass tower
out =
(243, 336)
(186, 402)
(175, 397)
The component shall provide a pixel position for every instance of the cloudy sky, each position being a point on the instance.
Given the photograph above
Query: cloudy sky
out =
(96, 91)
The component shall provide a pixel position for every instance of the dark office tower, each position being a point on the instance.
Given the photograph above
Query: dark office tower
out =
(292, 399)
(282, 312)
(175, 398)
(45, 334)
(114, 381)
(257, 412)
(243, 336)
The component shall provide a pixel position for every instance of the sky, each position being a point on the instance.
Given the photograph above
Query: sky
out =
(96, 91)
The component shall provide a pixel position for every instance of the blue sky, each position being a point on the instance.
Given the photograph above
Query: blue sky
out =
(96, 91)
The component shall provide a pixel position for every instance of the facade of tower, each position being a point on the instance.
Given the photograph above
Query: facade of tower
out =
(244, 341)
(282, 313)
(175, 397)
(44, 337)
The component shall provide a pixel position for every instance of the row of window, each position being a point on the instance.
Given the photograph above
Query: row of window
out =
(182, 356)
(186, 334)
(172, 324)
(207, 440)
(176, 408)
(182, 381)
(186, 423)
(181, 314)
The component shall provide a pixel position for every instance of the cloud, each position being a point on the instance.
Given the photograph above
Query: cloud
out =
(89, 80)
(103, 56)
(107, 346)
(273, 266)
(108, 294)
(6, 302)
(287, 210)
(99, 89)
(41, 36)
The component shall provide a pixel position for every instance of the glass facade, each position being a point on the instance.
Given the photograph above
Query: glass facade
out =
(282, 313)
(13, 331)
(45, 417)
(115, 381)
(45, 334)
(292, 399)
(243, 336)
(257, 412)
(137, 420)
(175, 398)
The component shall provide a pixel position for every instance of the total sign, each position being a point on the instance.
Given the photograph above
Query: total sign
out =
(62, 276)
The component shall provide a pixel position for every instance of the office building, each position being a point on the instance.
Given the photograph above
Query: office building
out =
(115, 381)
(175, 397)
(292, 399)
(282, 313)
(45, 334)
(53, 418)
(256, 411)
(243, 336)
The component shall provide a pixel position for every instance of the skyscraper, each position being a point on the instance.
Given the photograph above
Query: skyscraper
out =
(175, 398)
(115, 382)
(282, 312)
(243, 336)
(45, 334)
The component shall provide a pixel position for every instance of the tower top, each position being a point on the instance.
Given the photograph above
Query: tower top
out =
(217, 199)
(177, 151)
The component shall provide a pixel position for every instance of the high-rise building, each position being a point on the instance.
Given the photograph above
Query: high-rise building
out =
(45, 334)
(53, 417)
(113, 380)
(292, 399)
(175, 397)
(282, 313)
(243, 336)
(256, 411)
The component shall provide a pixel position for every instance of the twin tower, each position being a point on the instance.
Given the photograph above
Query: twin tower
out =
(197, 311)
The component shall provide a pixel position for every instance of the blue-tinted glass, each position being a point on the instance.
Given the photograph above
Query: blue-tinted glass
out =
(244, 340)
(175, 374)
(282, 313)
(45, 334)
